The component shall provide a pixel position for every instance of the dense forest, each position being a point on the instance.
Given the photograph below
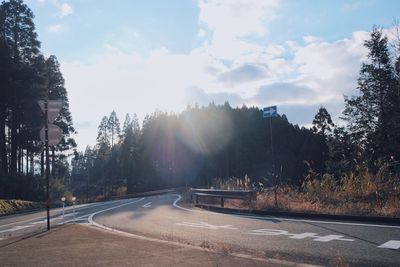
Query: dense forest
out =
(195, 147)
(27, 76)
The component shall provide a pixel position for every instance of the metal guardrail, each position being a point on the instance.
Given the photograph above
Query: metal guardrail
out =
(222, 194)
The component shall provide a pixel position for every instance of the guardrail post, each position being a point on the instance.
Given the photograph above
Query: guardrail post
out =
(197, 199)
(222, 202)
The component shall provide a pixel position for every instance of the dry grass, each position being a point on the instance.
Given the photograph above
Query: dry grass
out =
(12, 206)
(356, 193)
(361, 194)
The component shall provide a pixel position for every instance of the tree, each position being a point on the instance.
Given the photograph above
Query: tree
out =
(103, 136)
(372, 114)
(322, 123)
(113, 127)
(57, 91)
(19, 42)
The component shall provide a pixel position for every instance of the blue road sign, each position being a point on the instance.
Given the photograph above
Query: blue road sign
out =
(270, 112)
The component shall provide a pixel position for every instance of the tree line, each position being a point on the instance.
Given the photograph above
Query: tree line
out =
(27, 76)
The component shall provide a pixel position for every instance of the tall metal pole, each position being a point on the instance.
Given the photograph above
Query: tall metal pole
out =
(46, 125)
(273, 163)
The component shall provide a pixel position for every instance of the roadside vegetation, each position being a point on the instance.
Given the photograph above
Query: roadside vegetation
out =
(12, 206)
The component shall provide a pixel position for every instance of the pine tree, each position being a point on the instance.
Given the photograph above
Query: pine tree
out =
(57, 91)
(19, 39)
(371, 115)
(322, 123)
(113, 127)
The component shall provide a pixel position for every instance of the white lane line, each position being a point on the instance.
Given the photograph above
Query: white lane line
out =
(90, 218)
(147, 205)
(54, 219)
(15, 228)
(393, 244)
(175, 204)
(92, 205)
(76, 219)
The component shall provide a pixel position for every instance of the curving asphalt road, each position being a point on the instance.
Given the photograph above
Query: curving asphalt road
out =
(164, 217)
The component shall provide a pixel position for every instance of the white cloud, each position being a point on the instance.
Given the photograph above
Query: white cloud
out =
(201, 34)
(65, 10)
(231, 20)
(55, 28)
(310, 39)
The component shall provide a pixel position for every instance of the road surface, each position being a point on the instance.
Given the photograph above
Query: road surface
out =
(164, 217)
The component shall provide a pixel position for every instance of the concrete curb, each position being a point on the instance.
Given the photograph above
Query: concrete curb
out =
(354, 218)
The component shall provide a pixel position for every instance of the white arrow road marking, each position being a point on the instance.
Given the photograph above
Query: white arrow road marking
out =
(147, 205)
(207, 226)
(393, 244)
(276, 232)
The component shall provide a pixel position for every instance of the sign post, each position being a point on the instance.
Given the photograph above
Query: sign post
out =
(73, 205)
(50, 135)
(63, 201)
(270, 112)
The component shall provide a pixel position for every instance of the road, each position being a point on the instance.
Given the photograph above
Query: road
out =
(165, 217)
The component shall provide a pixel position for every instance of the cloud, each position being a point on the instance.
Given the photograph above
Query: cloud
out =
(231, 20)
(310, 39)
(195, 95)
(54, 28)
(65, 10)
(244, 73)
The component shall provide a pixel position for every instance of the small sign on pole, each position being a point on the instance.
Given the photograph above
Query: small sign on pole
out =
(53, 108)
(269, 112)
(55, 134)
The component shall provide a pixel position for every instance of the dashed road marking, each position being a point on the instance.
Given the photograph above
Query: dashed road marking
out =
(392, 244)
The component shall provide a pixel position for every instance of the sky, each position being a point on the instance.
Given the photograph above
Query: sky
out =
(136, 56)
